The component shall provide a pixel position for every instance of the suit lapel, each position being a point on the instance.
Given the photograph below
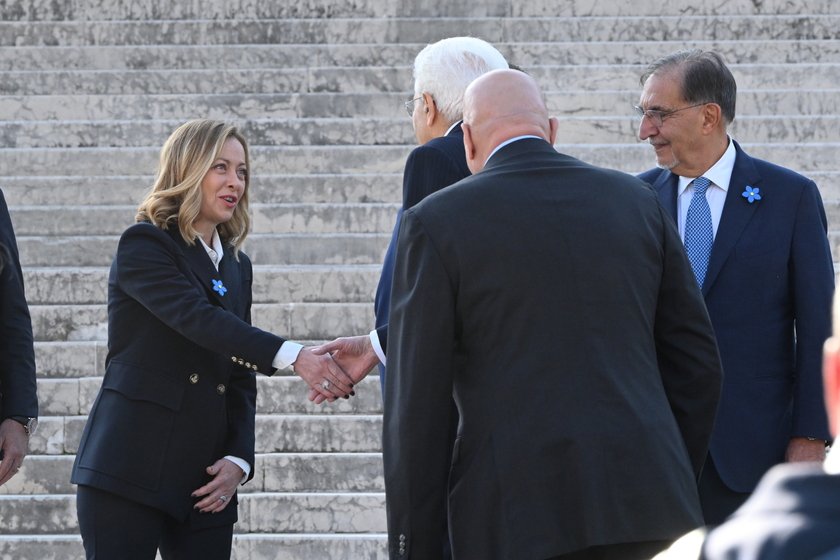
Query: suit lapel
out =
(229, 270)
(737, 213)
(203, 268)
(666, 187)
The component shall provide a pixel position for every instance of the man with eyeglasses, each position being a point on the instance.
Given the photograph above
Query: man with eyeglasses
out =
(755, 234)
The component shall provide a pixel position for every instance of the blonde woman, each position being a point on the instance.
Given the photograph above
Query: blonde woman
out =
(171, 434)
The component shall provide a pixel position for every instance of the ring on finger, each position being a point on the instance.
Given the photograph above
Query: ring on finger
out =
(325, 384)
(223, 498)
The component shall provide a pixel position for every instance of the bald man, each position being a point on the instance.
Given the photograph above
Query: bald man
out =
(554, 300)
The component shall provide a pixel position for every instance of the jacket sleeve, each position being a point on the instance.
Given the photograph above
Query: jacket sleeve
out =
(687, 353)
(812, 272)
(150, 271)
(242, 391)
(17, 372)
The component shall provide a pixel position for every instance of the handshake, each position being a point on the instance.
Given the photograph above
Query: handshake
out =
(333, 369)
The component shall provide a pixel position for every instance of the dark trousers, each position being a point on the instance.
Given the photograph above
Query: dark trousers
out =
(114, 528)
(621, 551)
(716, 498)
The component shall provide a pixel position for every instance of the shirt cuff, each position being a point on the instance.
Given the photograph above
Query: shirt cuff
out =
(242, 464)
(287, 355)
(374, 341)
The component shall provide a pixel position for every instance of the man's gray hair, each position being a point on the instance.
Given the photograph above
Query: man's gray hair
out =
(445, 69)
(704, 78)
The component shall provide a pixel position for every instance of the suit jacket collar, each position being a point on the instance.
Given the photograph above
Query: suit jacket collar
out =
(736, 212)
(201, 265)
(519, 147)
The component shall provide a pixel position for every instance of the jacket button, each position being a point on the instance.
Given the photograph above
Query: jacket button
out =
(254, 367)
(220, 389)
(402, 539)
(194, 378)
(233, 358)
(241, 362)
(248, 365)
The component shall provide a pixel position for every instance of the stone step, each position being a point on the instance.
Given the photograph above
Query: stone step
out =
(86, 358)
(19, 10)
(298, 321)
(279, 394)
(275, 472)
(181, 108)
(613, 129)
(268, 512)
(371, 546)
(272, 284)
(266, 219)
(324, 249)
(526, 54)
(632, 158)
(269, 189)
(375, 79)
(268, 160)
(204, 29)
(305, 433)
(258, 132)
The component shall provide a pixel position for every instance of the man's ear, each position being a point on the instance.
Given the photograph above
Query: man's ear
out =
(712, 116)
(430, 110)
(553, 127)
(831, 382)
(470, 149)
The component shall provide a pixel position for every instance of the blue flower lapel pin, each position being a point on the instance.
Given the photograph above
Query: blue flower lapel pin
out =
(219, 287)
(751, 194)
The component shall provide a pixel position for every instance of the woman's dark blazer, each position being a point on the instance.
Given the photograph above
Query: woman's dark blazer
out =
(179, 391)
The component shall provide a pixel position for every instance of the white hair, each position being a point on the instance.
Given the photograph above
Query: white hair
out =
(445, 69)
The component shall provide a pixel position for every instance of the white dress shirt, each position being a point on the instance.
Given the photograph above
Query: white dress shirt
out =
(719, 175)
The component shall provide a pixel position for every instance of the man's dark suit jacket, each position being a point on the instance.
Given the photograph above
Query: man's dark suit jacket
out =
(794, 514)
(17, 370)
(437, 164)
(179, 391)
(555, 301)
(768, 290)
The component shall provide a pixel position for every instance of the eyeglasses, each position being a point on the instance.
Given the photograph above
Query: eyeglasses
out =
(655, 117)
(409, 106)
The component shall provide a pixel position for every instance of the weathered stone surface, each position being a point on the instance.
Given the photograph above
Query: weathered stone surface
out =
(42, 474)
(69, 359)
(312, 513)
(287, 395)
(370, 546)
(319, 472)
(322, 434)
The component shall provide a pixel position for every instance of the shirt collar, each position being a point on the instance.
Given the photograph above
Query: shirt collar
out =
(451, 128)
(719, 174)
(216, 242)
(506, 142)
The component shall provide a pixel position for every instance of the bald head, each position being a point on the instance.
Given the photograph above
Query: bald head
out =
(501, 105)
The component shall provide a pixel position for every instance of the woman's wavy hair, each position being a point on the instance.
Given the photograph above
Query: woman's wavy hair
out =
(185, 159)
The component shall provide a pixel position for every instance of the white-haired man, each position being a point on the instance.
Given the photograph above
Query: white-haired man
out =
(442, 72)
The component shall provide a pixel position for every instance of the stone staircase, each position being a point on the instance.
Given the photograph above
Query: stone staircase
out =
(90, 90)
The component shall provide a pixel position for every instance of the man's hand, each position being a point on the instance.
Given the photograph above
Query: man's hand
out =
(325, 378)
(355, 355)
(220, 491)
(14, 444)
(802, 449)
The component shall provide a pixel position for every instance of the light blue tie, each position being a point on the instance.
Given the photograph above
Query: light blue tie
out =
(698, 230)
